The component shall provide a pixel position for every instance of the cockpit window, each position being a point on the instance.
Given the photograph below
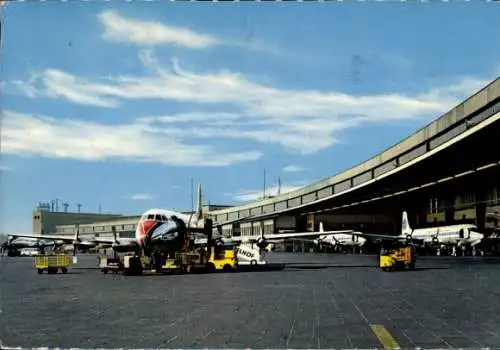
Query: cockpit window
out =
(163, 218)
(158, 217)
(151, 217)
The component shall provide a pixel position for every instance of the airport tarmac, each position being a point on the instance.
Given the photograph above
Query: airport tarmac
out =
(319, 301)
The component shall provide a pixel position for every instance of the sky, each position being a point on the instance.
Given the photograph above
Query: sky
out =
(121, 106)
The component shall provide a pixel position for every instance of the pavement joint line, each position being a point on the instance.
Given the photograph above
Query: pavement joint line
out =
(384, 337)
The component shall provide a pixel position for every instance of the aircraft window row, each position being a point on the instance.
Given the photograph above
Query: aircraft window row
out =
(161, 217)
(157, 217)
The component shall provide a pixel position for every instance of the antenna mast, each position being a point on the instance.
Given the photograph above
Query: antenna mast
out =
(279, 186)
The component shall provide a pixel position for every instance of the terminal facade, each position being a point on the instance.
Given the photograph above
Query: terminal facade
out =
(447, 172)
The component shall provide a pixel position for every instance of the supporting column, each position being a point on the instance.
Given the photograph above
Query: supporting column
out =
(479, 199)
(311, 223)
(449, 209)
(396, 222)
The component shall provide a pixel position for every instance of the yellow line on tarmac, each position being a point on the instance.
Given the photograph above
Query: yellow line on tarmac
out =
(384, 337)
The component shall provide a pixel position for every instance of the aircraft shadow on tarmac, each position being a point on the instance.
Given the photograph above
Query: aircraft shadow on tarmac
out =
(319, 267)
(70, 272)
(416, 269)
(323, 266)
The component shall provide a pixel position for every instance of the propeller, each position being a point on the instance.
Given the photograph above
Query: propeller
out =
(116, 243)
(261, 241)
(76, 241)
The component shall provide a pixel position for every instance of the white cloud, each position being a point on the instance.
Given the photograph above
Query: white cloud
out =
(253, 195)
(4, 168)
(127, 30)
(140, 197)
(24, 134)
(304, 121)
(120, 29)
(292, 169)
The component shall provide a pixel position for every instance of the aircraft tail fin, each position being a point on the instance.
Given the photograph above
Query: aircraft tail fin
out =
(405, 224)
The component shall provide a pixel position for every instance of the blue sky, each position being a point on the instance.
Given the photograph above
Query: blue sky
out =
(120, 105)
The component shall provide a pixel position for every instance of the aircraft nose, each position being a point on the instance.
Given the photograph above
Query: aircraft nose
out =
(146, 228)
(164, 231)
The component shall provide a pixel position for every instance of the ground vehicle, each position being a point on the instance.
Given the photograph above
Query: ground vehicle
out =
(52, 263)
(398, 257)
(218, 259)
(223, 259)
(189, 258)
(131, 264)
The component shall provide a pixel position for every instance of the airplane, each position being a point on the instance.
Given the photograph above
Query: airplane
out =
(160, 230)
(51, 240)
(442, 236)
(27, 243)
(152, 220)
(13, 247)
(254, 249)
(339, 240)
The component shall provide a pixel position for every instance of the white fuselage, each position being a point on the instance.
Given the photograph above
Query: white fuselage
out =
(452, 234)
(341, 239)
(29, 251)
(461, 234)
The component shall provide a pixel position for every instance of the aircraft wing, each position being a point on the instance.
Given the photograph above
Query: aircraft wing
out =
(69, 239)
(65, 239)
(124, 242)
(304, 234)
(280, 236)
(382, 237)
(102, 241)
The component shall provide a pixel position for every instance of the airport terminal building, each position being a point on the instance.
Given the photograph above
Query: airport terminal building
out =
(446, 172)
